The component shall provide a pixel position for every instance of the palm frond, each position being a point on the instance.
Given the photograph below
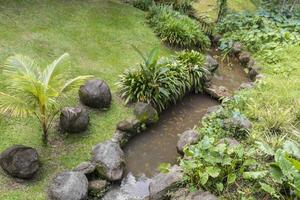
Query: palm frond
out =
(49, 72)
(74, 83)
(14, 106)
(19, 64)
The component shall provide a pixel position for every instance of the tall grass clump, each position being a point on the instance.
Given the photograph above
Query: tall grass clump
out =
(177, 29)
(161, 82)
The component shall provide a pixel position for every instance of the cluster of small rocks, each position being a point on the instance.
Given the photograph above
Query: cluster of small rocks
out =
(247, 61)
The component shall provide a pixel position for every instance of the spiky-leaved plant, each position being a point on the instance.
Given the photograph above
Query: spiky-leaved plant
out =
(194, 61)
(33, 91)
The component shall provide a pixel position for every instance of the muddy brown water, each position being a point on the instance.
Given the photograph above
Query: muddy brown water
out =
(145, 152)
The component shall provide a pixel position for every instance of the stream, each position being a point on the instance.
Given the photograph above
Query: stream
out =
(146, 151)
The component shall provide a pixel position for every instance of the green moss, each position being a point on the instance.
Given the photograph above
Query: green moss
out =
(98, 36)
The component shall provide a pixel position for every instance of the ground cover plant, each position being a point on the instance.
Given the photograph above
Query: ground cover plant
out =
(264, 31)
(98, 36)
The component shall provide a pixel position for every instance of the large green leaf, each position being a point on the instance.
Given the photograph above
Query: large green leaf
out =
(213, 171)
(231, 178)
(255, 174)
(269, 189)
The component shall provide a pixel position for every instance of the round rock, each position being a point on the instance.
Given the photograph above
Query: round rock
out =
(187, 138)
(145, 113)
(74, 120)
(69, 186)
(244, 58)
(95, 94)
(109, 160)
(211, 64)
(20, 161)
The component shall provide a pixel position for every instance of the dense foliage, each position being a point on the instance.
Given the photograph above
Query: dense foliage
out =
(163, 81)
(263, 31)
(177, 29)
(252, 169)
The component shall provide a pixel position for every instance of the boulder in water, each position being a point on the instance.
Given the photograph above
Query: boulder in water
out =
(237, 48)
(129, 125)
(187, 138)
(131, 188)
(185, 194)
(217, 92)
(246, 86)
(95, 94)
(163, 183)
(97, 188)
(145, 113)
(69, 185)
(211, 64)
(109, 160)
(74, 120)
(244, 58)
(20, 161)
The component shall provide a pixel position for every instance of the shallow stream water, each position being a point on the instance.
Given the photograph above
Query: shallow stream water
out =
(145, 152)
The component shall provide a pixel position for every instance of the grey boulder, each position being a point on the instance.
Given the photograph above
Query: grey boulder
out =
(129, 125)
(236, 48)
(217, 92)
(246, 86)
(86, 168)
(145, 113)
(20, 161)
(187, 138)
(97, 188)
(74, 120)
(69, 185)
(211, 64)
(109, 160)
(229, 141)
(163, 183)
(238, 121)
(185, 194)
(244, 58)
(95, 94)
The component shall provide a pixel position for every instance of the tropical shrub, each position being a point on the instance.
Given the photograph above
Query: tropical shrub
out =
(158, 82)
(161, 82)
(177, 29)
(33, 91)
(194, 62)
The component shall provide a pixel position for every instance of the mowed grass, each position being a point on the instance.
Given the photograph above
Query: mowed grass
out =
(209, 8)
(98, 35)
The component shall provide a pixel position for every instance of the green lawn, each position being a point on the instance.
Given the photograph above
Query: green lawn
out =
(98, 35)
(209, 8)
